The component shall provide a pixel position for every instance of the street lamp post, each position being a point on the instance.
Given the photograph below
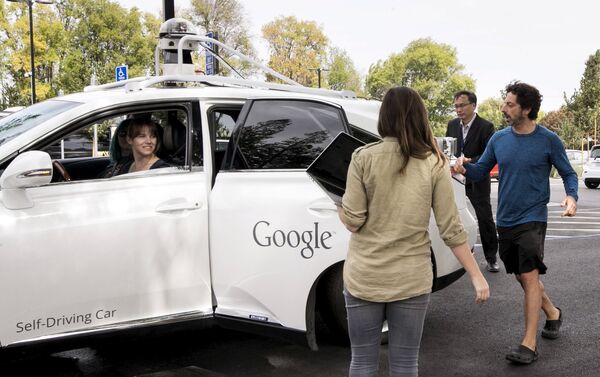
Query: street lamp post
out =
(319, 70)
(31, 48)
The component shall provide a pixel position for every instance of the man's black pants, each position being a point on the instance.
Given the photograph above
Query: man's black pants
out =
(479, 195)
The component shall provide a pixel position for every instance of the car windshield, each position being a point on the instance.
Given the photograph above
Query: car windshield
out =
(595, 153)
(21, 121)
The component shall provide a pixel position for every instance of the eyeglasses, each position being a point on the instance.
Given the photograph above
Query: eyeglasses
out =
(461, 105)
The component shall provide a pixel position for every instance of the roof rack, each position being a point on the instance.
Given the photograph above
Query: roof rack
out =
(139, 83)
(230, 81)
(114, 85)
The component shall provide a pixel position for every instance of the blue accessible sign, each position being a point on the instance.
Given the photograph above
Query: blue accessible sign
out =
(210, 59)
(121, 72)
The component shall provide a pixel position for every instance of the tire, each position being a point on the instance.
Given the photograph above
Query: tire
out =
(332, 306)
(591, 185)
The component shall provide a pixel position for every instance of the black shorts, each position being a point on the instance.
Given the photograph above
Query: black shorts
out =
(521, 247)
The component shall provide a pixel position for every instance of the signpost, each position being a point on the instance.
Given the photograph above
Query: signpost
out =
(121, 73)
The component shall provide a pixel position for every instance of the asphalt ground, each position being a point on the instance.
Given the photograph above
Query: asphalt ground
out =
(460, 338)
(464, 339)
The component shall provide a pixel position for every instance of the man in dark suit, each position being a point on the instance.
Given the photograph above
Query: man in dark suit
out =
(472, 133)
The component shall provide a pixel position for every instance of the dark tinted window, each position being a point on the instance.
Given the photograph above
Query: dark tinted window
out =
(364, 136)
(285, 134)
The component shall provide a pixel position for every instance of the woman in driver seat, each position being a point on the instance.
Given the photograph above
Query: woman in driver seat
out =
(143, 137)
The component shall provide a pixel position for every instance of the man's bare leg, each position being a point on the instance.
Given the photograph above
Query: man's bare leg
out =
(552, 313)
(530, 282)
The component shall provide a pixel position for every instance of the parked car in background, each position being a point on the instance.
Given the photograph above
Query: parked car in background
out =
(494, 172)
(576, 156)
(591, 169)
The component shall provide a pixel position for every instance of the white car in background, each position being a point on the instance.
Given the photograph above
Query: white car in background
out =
(235, 232)
(576, 157)
(591, 169)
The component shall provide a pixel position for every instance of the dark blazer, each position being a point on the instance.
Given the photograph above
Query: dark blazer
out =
(479, 134)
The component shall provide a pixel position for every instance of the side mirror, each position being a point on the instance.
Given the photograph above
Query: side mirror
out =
(29, 169)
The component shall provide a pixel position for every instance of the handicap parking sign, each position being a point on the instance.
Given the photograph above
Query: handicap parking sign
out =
(121, 72)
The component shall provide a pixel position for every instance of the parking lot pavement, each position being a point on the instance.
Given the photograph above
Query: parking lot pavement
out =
(464, 339)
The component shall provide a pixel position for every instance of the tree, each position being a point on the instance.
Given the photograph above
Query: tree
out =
(342, 74)
(490, 110)
(562, 122)
(297, 48)
(73, 40)
(47, 35)
(225, 17)
(3, 58)
(432, 69)
(585, 102)
(100, 36)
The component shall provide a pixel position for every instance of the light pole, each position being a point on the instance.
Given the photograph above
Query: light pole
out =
(319, 70)
(31, 48)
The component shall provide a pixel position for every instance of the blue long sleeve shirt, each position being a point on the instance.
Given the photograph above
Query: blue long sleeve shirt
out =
(524, 164)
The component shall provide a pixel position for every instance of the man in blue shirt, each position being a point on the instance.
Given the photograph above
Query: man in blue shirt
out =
(525, 152)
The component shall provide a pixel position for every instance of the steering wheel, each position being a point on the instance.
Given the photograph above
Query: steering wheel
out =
(64, 174)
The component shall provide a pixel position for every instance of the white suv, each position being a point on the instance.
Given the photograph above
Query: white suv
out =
(591, 170)
(235, 231)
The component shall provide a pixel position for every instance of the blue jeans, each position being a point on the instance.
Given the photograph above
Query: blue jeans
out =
(405, 322)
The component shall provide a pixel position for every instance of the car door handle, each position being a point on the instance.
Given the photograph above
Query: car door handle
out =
(322, 205)
(178, 205)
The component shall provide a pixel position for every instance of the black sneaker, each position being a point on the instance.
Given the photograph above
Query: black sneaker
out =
(522, 355)
(551, 329)
(493, 267)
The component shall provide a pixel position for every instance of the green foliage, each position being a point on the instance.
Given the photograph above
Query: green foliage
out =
(342, 74)
(562, 122)
(432, 69)
(297, 48)
(4, 96)
(101, 35)
(73, 39)
(226, 17)
(490, 110)
(585, 102)
(16, 84)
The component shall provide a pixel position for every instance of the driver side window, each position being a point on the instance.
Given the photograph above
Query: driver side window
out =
(102, 148)
(84, 152)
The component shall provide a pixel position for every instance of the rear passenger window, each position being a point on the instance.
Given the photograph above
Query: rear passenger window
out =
(364, 136)
(283, 134)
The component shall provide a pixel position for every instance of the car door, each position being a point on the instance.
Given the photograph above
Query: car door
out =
(120, 252)
(273, 230)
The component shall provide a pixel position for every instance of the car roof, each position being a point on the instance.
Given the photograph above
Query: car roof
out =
(359, 112)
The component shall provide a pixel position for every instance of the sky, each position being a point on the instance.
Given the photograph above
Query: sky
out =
(542, 42)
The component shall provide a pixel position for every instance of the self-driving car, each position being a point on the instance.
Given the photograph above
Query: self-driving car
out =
(233, 231)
